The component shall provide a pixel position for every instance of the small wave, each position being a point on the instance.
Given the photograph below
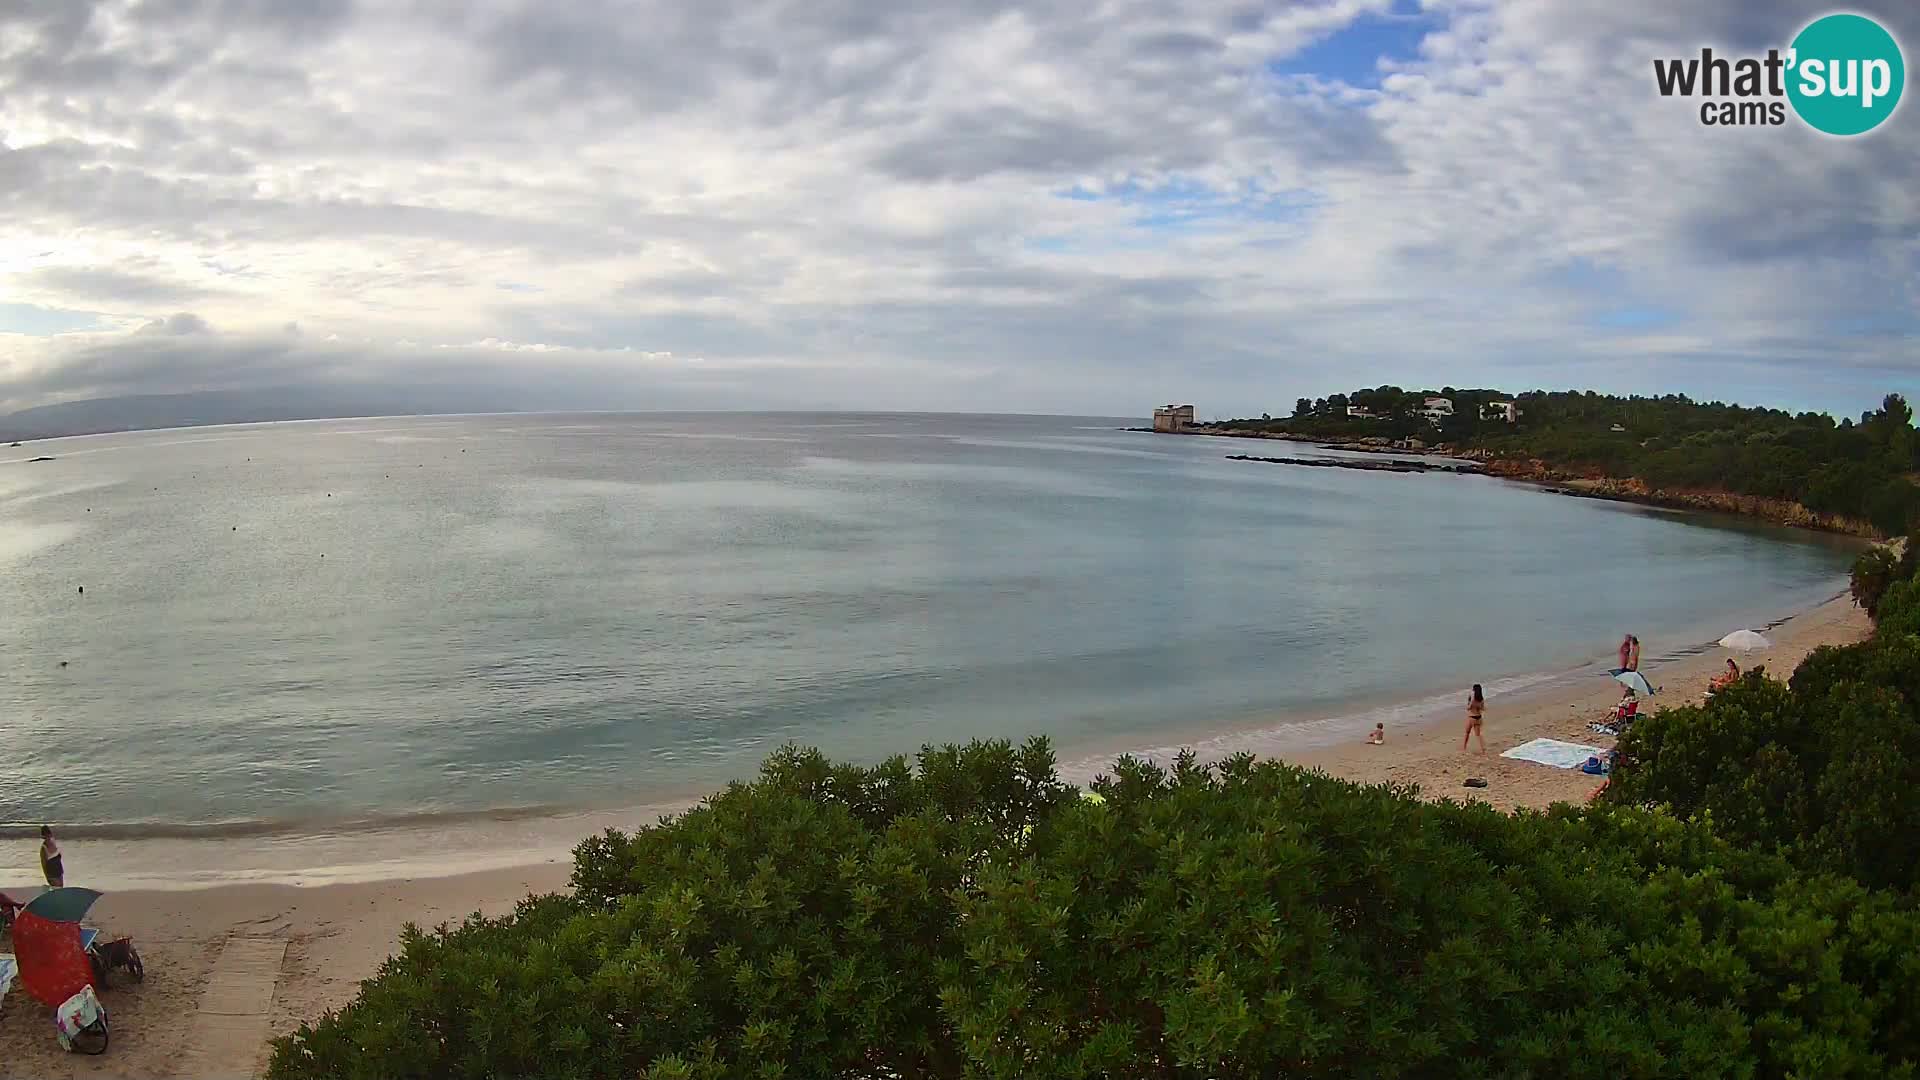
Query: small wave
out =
(252, 827)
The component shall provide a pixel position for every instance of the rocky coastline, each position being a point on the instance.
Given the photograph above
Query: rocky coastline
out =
(1574, 483)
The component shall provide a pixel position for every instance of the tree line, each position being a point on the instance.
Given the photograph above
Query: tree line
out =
(1864, 469)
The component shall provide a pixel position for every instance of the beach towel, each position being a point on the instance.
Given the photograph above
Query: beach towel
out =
(1553, 752)
(7, 971)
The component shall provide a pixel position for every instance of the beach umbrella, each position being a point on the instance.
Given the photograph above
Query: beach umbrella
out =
(1635, 682)
(70, 904)
(1745, 641)
(46, 944)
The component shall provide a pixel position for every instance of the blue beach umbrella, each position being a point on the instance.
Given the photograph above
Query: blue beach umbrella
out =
(62, 905)
(1635, 682)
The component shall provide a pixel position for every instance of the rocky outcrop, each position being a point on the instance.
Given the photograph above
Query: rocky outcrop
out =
(1779, 511)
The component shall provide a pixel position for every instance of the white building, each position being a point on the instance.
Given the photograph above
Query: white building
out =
(1436, 409)
(1500, 410)
(1360, 412)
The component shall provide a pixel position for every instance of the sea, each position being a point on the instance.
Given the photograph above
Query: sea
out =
(332, 625)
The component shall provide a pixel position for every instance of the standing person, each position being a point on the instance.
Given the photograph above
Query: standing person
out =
(50, 866)
(1626, 654)
(1633, 653)
(1476, 714)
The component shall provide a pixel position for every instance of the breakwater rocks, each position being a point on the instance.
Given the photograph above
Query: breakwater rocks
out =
(1398, 466)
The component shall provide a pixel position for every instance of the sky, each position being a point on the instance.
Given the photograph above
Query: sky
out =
(1085, 207)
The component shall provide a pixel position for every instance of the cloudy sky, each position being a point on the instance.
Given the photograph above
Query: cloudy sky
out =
(1083, 206)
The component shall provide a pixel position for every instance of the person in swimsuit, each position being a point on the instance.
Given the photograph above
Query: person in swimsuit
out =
(1626, 653)
(1378, 736)
(1633, 653)
(1476, 714)
(50, 859)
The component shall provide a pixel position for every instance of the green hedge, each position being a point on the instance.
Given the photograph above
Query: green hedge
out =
(1826, 767)
(972, 917)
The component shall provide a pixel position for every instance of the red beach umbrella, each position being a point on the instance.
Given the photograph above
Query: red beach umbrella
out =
(46, 944)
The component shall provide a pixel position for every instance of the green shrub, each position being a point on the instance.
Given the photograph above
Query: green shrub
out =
(1825, 767)
(1827, 770)
(973, 918)
(1874, 572)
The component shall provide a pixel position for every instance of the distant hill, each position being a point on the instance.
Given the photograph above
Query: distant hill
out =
(145, 411)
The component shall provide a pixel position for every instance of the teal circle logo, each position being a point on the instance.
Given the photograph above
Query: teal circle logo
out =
(1846, 74)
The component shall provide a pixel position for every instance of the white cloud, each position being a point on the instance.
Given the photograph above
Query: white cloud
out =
(866, 198)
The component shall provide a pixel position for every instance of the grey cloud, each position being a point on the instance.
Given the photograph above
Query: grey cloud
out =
(110, 286)
(180, 324)
(975, 144)
(302, 21)
(757, 181)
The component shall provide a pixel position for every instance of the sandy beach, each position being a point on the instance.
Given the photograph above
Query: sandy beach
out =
(335, 935)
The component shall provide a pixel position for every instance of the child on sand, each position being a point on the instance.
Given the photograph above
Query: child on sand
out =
(1377, 736)
(1476, 714)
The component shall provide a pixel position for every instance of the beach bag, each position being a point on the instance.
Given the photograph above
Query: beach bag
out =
(81, 1024)
(1593, 767)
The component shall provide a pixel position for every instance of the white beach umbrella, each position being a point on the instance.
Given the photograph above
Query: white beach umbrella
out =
(1745, 641)
(1635, 682)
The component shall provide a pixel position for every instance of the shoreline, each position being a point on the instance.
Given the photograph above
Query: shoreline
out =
(340, 923)
(422, 845)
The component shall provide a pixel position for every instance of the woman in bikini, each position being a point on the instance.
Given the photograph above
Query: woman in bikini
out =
(50, 866)
(1476, 713)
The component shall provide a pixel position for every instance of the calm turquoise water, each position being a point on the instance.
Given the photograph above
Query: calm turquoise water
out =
(303, 622)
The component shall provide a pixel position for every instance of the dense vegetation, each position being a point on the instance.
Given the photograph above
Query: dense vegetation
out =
(1863, 470)
(1824, 769)
(973, 917)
